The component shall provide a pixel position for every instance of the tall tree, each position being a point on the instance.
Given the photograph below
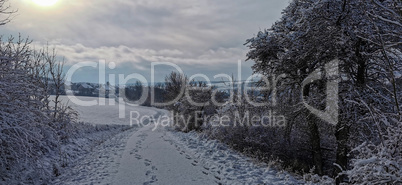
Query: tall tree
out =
(364, 35)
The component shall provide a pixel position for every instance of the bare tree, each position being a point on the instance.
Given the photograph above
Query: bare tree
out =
(175, 83)
(5, 10)
(57, 76)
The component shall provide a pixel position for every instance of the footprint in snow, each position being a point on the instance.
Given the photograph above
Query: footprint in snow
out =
(137, 156)
(194, 163)
(153, 178)
(147, 163)
(148, 172)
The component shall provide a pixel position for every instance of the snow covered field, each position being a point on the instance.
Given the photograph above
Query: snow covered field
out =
(162, 156)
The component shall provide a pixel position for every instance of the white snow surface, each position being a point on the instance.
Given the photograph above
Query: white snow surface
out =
(145, 155)
(108, 113)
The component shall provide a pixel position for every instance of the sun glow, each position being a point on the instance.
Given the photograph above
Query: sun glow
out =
(45, 2)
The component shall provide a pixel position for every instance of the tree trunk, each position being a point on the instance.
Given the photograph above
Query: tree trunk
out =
(315, 140)
(342, 133)
(342, 136)
(361, 64)
(315, 144)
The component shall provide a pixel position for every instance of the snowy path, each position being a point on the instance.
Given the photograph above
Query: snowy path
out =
(150, 156)
(138, 157)
(147, 156)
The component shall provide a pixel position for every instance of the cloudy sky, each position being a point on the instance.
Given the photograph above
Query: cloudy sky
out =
(200, 36)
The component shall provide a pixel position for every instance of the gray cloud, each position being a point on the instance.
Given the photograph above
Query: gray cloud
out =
(185, 32)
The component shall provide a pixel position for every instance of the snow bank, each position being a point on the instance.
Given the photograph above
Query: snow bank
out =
(229, 166)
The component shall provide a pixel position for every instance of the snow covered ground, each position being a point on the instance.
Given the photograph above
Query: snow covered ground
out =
(144, 155)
